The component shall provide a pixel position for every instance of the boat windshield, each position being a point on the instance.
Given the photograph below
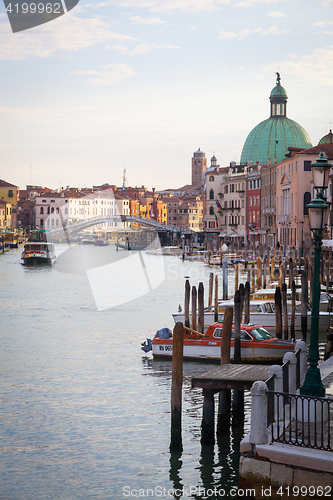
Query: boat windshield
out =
(260, 333)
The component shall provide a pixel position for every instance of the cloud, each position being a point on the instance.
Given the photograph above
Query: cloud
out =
(113, 74)
(170, 5)
(141, 49)
(251, 3)
(276, 13)
(322, 24)
(274, 30)
(316, 67)
(146, 20)
(69, 33)
(228, 35)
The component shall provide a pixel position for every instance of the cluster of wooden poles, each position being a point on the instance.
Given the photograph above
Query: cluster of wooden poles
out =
(195, 321)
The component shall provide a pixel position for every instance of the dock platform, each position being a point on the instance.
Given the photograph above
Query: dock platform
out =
(231, 376)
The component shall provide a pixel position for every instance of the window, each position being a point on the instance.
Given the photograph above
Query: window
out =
(211, 211)
(10, 193)
(307, 167)
(226, 189)
(250, 184)
(211, 178)
(211, 224)
(211, 194)
(41, 210)
(258, 201)
(306, 201)
(41, 223)
(52, 210)
(250, 199)
(242, 220)
(232, 188)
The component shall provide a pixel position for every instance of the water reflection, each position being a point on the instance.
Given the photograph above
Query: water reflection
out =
(175, 466)
(217, 467)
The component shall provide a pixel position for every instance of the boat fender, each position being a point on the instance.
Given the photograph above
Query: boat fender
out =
(147, 345)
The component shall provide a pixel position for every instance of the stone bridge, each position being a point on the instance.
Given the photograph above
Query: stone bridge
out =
(100, 219)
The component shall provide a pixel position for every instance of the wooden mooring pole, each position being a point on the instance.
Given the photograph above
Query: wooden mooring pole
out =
(237, 394)
(285, 311)
(293, 308)
(223, 421)
(187, 303)
(216, 299)
(247, 303)
(194, 307)
(278, 313)
(201, 308)
(176, 387)
(210, 290)
(304, 304)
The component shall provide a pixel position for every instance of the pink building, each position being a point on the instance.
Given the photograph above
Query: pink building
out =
(294, 192)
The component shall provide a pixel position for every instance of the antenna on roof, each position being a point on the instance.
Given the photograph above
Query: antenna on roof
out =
(124, 178)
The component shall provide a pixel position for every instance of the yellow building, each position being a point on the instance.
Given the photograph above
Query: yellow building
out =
(9, 193)
(5, 215)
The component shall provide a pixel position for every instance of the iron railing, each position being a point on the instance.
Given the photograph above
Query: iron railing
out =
(301, 420)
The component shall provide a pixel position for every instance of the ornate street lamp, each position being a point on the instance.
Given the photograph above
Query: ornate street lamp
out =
(318, 216)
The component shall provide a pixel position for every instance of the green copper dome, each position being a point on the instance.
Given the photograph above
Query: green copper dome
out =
(327, 139)
(271, 138)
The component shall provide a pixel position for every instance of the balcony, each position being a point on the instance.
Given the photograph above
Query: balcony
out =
(283, 219)
(241, 193)
(269, 211)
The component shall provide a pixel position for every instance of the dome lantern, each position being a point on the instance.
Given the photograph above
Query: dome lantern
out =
(278, 98)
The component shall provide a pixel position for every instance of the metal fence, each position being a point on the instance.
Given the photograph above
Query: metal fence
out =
(301, 420)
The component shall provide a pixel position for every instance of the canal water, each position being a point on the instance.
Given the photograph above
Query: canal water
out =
(85, 414)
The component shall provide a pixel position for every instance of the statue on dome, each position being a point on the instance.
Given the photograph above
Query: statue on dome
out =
(278, 79)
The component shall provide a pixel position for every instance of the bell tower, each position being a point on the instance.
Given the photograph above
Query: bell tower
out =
(199, 165)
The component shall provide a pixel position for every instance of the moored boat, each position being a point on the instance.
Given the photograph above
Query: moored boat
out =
(101, 242)
(38, 253)
(262, 312)
(130, 247)
(257, 344)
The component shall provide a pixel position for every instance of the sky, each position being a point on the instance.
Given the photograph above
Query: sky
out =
(142, 84)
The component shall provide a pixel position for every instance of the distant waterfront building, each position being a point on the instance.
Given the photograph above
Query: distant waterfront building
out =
(269, 140)
(5, 214)
(199, 165)
(9, 193)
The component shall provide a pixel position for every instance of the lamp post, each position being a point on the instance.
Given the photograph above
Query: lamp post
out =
(318, 215)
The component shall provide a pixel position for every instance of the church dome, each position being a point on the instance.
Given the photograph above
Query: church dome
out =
(327, 139)
(271, 138)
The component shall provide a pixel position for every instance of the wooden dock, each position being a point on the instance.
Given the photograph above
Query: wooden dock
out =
(231, 376)
(223, 379)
